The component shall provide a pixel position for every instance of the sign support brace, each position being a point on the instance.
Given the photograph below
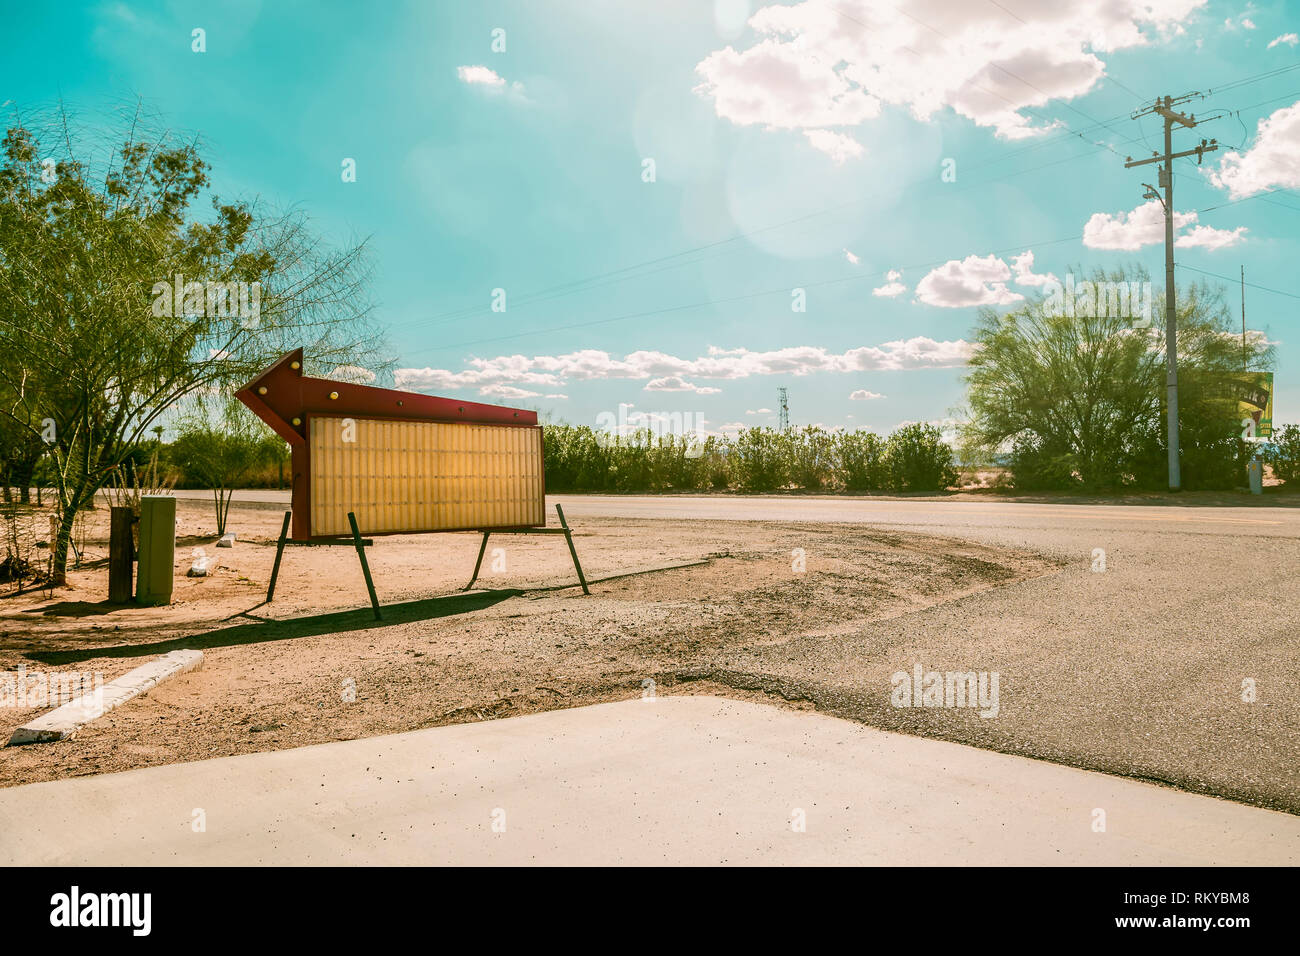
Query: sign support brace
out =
(355, 541)
(564, 529)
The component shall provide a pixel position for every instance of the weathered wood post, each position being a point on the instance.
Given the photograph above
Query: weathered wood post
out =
(120, 564)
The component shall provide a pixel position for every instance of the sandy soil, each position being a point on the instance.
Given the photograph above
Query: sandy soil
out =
(283, 675)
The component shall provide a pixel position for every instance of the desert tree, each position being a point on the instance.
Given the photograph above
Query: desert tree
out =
(219, 447)
(118, 299)
(1077, 395)
(21, 445)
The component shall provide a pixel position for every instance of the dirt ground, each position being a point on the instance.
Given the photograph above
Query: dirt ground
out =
(669, 600)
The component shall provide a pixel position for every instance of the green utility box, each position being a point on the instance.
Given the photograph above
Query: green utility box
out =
(157, 549)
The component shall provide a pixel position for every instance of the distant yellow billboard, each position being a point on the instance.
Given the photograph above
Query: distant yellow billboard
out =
(413, 476)
(1255, 402)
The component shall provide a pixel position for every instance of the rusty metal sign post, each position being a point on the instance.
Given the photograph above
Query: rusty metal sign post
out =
(378, 461)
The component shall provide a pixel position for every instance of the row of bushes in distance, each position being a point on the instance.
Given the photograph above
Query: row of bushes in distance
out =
(1213, 458)
(913, 458)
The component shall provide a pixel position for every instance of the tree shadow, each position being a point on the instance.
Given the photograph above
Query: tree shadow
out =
(78, 608)
(262, 629)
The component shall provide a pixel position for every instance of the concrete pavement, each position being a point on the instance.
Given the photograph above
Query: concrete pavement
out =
(676, 780)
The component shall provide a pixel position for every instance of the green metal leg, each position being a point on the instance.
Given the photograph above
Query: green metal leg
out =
(279, 553)
(479, 563)
(365, 567)
(568, 536)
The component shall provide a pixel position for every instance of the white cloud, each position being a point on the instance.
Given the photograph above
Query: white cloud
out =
(1290, 39)
(1272, 161)
(853, 260)
(718, 364)
(1145, 226)
(675, 383)
(838, 146)
(783, 84)
(1207, 237)
(490, 80)
(892, 286)
(816, 64)
(974, 280)
(1023, 265)
(758, 411)
(862, 395)
(507, 391)
(351, 373)
(480, 76)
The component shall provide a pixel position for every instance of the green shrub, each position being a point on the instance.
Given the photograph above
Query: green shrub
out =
(860, 460)
(758, 459)
(714, 466)
(1283, 452)
(810, 456)
(1213, 454)
(917, 459)
(574, 459)
(1035, 467)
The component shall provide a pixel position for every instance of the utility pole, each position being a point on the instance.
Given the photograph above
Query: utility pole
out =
(783, 421)
(1244, 359)
(1165, 107)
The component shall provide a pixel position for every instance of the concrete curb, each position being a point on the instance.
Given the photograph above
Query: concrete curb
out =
(63, 722)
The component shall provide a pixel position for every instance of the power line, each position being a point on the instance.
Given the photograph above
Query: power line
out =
(591, 282)
(835, 9)
(1246, 81)
(1234, 202)
(1108, 74)
(1274, 202)
(1095, 124)
(529, 298)
(594, 284)
(785, 290)
(997, 66)
(1253, 285)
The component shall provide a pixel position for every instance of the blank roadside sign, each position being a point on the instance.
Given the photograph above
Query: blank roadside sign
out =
(404, 476)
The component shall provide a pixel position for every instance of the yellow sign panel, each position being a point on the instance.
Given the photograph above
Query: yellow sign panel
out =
(1255, 401)
(408, 476)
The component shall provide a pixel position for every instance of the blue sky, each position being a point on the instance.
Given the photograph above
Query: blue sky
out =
(794, 146)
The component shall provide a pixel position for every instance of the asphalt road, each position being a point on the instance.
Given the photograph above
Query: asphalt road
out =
(676, 780)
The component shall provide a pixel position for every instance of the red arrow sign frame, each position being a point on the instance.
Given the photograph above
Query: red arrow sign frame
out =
(283, 397)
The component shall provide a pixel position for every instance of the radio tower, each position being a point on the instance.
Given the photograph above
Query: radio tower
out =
(783, 400)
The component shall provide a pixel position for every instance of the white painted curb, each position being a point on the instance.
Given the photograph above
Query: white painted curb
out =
(63, 722)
